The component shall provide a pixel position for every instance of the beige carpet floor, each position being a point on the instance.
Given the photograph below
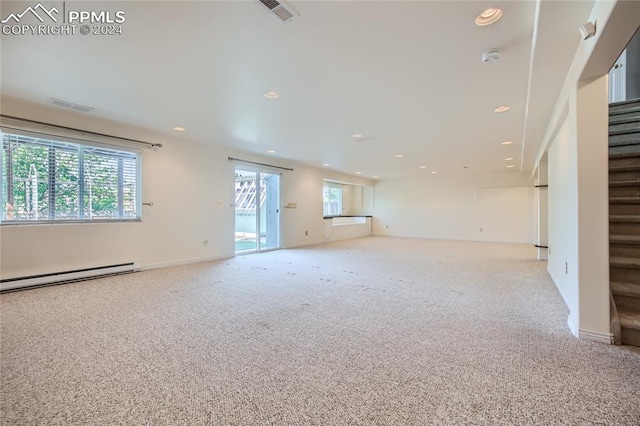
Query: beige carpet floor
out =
(373, 331)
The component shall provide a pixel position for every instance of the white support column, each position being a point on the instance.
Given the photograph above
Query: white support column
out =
(592, 120)
(542, 209)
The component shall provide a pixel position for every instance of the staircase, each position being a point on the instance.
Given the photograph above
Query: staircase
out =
(624, 219)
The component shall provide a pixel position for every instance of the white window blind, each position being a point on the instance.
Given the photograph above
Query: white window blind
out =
(46, 179)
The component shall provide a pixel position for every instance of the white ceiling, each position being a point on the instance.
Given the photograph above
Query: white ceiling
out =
(405, 74)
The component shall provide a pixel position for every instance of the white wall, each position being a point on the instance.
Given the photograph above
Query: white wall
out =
(576, 141)
(192, 187)
(456, 207)
(352, 202)
(593, 205)
(578, 210)
(563, 210)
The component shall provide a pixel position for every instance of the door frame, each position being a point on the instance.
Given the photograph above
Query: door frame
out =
(258, 171)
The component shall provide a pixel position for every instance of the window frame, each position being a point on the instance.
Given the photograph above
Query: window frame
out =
(328, 185)
(80, 144)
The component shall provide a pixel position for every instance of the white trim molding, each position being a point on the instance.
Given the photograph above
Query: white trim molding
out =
(595, 336)
(183, 262)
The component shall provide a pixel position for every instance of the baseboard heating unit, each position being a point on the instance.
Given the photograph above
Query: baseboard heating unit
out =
(21, 283)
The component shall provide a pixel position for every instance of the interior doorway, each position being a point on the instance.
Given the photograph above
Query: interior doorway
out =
(257, 211)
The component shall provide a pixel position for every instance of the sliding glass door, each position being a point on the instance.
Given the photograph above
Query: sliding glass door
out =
(269, 214)
(257, 210)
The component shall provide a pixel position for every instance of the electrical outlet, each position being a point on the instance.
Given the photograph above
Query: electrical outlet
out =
(481, 230)
(306, 233)
(566, 268)
(205, 243)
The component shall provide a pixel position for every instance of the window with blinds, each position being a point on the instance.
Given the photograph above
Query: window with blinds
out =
(49, 180)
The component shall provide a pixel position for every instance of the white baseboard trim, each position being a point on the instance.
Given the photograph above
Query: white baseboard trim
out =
(220, 257)
(312, 243)
(573, 327)
(182, 262)
(346, 238)
(445, 238)
(596, 336)
(315, 243)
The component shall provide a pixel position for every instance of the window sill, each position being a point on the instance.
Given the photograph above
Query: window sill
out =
(338, 215)
(65, 222)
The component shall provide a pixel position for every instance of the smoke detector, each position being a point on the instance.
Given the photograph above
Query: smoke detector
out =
(279, 10)
(491, 55)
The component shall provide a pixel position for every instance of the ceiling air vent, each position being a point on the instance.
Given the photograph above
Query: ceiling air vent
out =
(279, 10)
(70, 105)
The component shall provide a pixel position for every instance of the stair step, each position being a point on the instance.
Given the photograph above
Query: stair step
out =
(625, 183)
(624, 168)
(621, 176)
(632, 149)
(629, 320)
(623, 106)
(625, 117)
(624, 275)
(624, 200)
(625, 262)
(623, 228)
(623, 155)
(618, 249)
(624, 239)
(624, 139)
(631, 109)
(624, 209)
(624, 191)
(624, 128)
(625, 218)
(631, 157)
(625, 289)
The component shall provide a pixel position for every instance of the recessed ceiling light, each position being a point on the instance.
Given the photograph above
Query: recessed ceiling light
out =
(507, 143)
(510, 166)
(433, 173)
(272, 95)
(399, 155)
(356, 135)
(179, 129)
(271, 151)
(326, 165)
(502, 108)
(358, 173)
(423, 167)
(489, 16)
(508, 159)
